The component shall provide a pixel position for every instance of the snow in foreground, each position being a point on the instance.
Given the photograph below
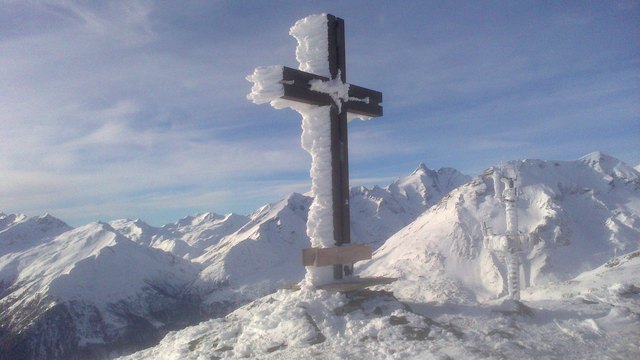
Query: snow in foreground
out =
(595, 315)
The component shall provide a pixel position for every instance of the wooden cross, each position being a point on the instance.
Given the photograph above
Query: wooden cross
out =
(360, 101)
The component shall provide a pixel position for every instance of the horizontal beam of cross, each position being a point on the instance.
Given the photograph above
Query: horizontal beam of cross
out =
(362, 101)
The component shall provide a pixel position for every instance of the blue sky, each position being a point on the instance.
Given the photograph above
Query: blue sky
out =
(138, 109)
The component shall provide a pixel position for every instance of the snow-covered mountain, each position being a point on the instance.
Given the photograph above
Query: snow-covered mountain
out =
(575, 214)
(205, 230)
(87, 291)
(378, 213)
(19, 232)
(262, 255)
(187, 238)
(8, 220)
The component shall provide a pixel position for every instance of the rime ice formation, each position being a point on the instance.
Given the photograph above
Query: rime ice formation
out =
(311, 53)
(316, 139)
(267, 86)
(509, 246)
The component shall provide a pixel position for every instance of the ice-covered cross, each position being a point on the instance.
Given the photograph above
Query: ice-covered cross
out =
(320, 93)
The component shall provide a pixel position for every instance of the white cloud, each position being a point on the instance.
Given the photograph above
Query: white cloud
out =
(124, 106)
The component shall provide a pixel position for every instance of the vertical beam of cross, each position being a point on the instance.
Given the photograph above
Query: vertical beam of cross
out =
(339, 144)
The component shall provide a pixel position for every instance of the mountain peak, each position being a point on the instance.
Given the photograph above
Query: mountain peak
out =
(598, 157)
(52, 221)
(197, 219)
(610, 166)
(428, 186)
(8, 220)
(421, 169)
(296, 199)
(207, 216)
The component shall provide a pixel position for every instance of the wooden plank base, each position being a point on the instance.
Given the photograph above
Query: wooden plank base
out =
(345, 254)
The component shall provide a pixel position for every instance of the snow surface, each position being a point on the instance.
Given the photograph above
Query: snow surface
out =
(588, 317)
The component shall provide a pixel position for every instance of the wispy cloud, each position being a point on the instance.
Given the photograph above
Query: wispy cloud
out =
(112, 109)
(98, 112)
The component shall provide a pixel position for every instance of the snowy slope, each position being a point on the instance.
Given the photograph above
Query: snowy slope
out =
(577, 214)
(591, 317)
(88, 290)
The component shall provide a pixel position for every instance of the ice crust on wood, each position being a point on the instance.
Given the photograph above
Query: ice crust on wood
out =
(312, 55)
(267, 84)
(316, 139)
(335, 88)
(311, 52)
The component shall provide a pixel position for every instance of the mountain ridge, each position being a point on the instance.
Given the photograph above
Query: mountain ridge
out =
(207, 265)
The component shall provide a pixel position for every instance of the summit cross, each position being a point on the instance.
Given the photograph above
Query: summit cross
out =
(308, 88)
